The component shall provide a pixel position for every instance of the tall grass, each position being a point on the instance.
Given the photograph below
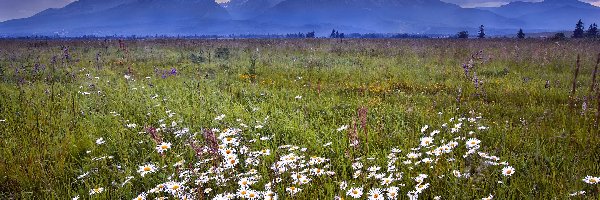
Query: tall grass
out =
(57, 98)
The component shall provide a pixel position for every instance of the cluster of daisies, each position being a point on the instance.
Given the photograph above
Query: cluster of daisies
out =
(450, 145)
(236, 163)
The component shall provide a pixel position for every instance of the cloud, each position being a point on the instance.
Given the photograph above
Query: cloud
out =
(495, 3)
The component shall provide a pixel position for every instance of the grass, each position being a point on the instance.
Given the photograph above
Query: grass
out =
(300, 92)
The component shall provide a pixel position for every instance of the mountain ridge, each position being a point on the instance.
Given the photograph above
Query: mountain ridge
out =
(174, 17)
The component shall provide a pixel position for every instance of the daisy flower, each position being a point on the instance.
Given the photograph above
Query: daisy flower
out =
(141, 196)
(488, 198)
(375, 194)
(344, 127)
(253, 195)
(426, 141)
(293, 190)
(508, 171)
(355, 192)
(392, 192)
(162, 147)
(100, 141)
(387, 181)
(145, 169)
(413, 155)
(269, 195)
(591, 180)
(473, 142)
(421, 187)
(97, 190)
(245, 183)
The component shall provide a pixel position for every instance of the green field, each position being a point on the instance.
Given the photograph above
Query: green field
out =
(80, 115)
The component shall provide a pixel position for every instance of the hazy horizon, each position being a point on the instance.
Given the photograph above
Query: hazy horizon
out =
(16, 9)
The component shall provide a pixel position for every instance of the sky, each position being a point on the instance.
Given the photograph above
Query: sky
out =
(14, 9)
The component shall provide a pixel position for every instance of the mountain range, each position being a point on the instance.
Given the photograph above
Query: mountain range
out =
(203, 17)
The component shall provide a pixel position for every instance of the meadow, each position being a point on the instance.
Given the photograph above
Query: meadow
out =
(299, 119)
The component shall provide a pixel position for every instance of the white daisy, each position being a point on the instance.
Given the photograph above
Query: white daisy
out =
(591, 180)
(508, 171)
(426, 141)
(162, 147)
(375, 194)
(145, 169)
(355, 192)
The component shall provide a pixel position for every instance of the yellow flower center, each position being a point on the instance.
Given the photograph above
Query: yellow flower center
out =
(376, 195)
(147, 168)
(164, 146)
(508, 171)
(229, 139)
(354, 192)
(244, 192)
(175, 187)
(252, 195)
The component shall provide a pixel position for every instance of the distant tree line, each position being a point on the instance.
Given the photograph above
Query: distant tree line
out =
(579, 32)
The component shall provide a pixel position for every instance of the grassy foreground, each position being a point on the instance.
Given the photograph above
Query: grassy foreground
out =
(298, 119)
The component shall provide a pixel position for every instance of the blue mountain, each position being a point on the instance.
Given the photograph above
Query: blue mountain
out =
(188, 17)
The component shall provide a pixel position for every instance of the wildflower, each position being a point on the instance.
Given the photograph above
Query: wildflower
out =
(591, 180)
(265, 152)
(163, 147)
(253, 195)
(269, 195)
(173, 187)
(145, 169)
(508, 171)
(304, 180)
(293, 190)
(343, 185)
(344, 127)
(488, 198)
(245, 183)
(242, 193)
(97, 190)
(413, 155)
(577, 193)
(220, 117)
(357, 165)
(141, 196)
(374, 168)
(298, 97)
(387, 181)
(230, 140)
(421, 187)
(75, 198)
(426, 141)
(327, 144)
(375, 194)
(355, 192)
(100, 141)
(317, 171)
(392, 192)
(207, 190)
(424, 128)
(473, 142)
